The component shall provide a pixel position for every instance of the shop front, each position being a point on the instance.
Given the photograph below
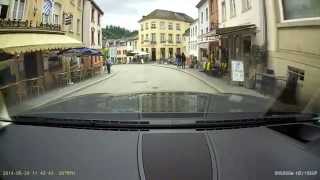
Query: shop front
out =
(29, 69)
(240, 55)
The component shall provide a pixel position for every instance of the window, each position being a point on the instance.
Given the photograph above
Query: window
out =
(162, 37)
(153, 25)
(79, 4)
(232, 8)
(18, 9)
(201, 17)
(170, 38)
(147, 37)
(196, 31)
(207, 14)
(142, 39)
(147, 26)
(300, 9)
(153, 37)
(141, 27)
(92, 37)
(178, 27)
(162, 26)
(170, 26)
(71, 25)
(246, 5)
(57, 14)
(178, 38)
(207, 30)
(224, 12)
(78, 26)
(99, 19)
(3, 11)
(92, 15)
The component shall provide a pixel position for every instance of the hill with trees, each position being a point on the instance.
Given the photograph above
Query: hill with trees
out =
(117, 32)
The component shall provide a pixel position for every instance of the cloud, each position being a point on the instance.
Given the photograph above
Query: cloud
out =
(127, 13)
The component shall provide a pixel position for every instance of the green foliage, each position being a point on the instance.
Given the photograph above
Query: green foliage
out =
(116, 32)
(105, 54)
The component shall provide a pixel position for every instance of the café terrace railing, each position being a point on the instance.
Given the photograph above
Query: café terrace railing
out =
(18, 25)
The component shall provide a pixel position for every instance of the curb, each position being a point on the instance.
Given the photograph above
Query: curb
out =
(195, 76)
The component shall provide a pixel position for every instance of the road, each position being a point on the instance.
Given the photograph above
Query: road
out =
(147, 78)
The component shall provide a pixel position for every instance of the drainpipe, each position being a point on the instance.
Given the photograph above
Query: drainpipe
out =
(82, 38)
(265, 31)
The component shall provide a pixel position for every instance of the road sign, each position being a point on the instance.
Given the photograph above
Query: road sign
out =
(237, 71)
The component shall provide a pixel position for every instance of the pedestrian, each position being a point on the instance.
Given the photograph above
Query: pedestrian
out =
(183, 59)
(109, 63)
(178, 60)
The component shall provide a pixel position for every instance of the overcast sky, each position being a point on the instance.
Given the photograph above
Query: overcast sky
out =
(127, 13)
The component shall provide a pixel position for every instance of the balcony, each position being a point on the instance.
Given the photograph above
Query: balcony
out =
(17, 26)
(170, 41)
(153, 42)
(178, 42)
(163, 41)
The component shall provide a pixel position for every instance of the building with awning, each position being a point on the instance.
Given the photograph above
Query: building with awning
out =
(32, 42)
(242, 33)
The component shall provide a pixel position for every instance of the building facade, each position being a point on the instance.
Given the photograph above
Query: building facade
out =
(161, 33)
(193, 39)
(33, 34)
(293, 48)
(203, 28)
(92, 15)
(243, 37)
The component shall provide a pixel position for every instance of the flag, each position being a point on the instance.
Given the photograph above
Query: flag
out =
(48, 7)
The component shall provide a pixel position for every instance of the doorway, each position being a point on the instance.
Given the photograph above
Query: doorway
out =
(163, 53)
(30, 65)
(170, 52)
(154, 56)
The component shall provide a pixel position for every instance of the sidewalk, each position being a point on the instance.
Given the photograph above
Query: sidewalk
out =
(218, 84)
(57, 94)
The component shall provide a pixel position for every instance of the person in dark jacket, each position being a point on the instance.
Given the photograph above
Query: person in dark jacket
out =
(183, 59)
(109, 63)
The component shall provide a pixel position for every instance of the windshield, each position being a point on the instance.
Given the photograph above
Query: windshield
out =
(105, 56)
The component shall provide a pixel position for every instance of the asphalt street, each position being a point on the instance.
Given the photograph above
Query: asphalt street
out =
(146, 78)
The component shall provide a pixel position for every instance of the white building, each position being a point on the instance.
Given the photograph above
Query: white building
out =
(234, 13)
(112, 47)
(193, 39)
(242, 35)
(203, 29)
(92, 31)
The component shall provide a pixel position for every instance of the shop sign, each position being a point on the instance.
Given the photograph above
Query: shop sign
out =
(237, 71)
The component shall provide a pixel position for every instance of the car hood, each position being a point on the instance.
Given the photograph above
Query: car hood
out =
(187, 102)
(251, 153)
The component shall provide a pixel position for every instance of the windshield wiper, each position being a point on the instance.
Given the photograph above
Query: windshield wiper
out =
(150, 124)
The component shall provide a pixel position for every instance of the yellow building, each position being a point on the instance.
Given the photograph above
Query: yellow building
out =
(62, 10)
(161, 33)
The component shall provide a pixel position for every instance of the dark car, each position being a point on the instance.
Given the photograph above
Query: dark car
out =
(156, 136)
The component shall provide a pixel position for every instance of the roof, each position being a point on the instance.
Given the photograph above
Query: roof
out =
(28, 42)
(201, 3)
(170, 15)
(96, 6)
